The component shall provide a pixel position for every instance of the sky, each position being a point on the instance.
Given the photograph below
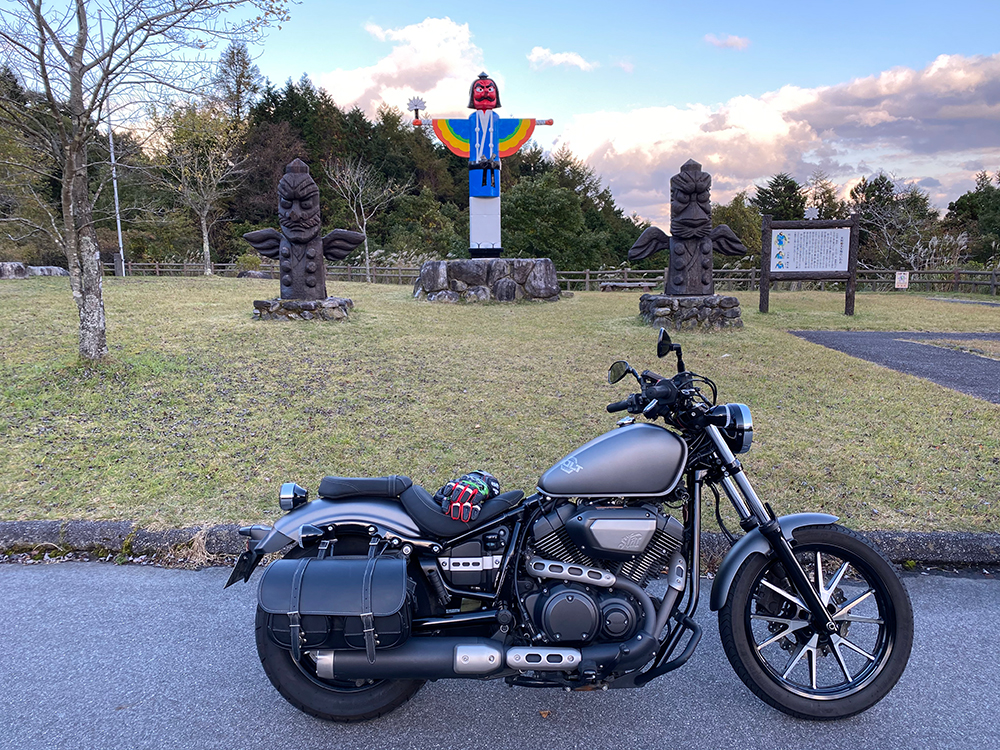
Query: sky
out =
(636, 89)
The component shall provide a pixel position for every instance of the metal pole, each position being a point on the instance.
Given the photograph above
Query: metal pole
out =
(120, 265)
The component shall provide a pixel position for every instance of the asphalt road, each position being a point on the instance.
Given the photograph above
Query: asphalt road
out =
(100, 656)
(904, 352)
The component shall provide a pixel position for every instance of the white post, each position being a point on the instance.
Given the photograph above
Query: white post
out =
(120, 263)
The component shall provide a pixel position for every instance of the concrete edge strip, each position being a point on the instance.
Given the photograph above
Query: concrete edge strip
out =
(958, 548)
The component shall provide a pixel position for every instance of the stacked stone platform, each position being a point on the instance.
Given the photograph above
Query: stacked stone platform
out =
(331, 308)
(483, 280)
(713, 312)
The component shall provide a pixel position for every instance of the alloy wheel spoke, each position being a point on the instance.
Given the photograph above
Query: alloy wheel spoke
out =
(827, 593)
(781, 592)
(855, 647)
(812, 667)
(790, 627)
(852, 618)
(820, 589)
(839, 614)
(836, 640)
(799, 653)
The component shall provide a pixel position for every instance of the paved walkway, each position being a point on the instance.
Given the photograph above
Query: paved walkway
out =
(904, 352)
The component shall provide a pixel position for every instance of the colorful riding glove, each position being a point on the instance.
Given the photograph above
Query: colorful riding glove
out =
(462, 499)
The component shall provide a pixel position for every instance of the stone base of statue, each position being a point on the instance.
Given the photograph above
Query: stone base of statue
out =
(331, 308)
(714, 312)
(482, 280)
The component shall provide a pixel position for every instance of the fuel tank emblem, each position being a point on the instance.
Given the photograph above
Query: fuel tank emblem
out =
(570, 466)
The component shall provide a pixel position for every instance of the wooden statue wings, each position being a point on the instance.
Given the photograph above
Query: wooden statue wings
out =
(337, 244)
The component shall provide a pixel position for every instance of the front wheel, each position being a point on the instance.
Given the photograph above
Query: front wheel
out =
(770, 641)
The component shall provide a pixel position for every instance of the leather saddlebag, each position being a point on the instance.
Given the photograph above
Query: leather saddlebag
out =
(337, 603)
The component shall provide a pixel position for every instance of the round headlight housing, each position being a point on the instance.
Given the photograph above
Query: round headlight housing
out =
(739, 431)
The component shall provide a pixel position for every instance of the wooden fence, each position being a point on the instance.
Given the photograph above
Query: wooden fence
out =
(624, 279)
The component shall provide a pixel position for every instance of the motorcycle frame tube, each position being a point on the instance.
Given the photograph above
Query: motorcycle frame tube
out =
(695, 481)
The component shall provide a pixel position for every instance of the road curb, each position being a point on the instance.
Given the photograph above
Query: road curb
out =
(954, 548)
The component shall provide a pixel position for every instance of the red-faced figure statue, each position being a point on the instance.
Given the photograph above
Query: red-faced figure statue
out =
(484, 93)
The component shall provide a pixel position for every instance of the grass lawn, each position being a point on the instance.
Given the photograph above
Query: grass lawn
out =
(201, 412)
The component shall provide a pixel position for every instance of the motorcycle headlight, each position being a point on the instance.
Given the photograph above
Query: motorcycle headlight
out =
(739, 432)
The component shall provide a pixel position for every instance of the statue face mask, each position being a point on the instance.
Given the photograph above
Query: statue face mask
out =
(690, 204)
(298, 207)
(485, 94)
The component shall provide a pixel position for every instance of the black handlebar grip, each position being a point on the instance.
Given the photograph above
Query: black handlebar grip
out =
(618, 406)
(664, 391)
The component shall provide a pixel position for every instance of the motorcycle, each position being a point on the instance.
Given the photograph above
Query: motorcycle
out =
(589, 583)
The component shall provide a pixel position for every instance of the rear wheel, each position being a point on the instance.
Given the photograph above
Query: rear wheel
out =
(770, 640)
(332, 700)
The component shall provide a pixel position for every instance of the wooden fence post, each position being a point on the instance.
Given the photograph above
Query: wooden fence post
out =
(587, 279)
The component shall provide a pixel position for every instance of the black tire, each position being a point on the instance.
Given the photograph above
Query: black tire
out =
(332, 700)
(780, 656)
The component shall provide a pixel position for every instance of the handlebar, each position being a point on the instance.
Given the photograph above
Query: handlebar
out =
(663, 390)
(619, 405)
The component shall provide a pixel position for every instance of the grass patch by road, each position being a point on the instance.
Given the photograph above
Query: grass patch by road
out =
(201, 412)
(979, 347)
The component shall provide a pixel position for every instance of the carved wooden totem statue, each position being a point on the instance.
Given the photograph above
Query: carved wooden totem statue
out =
(692, 238)
(298, 246)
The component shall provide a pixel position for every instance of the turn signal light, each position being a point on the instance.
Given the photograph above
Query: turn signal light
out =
(291, 496)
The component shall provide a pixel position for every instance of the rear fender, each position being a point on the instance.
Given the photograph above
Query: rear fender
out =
(386, 515)
(755, 543)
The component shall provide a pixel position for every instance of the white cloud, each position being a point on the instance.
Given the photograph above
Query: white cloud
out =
(435, 59)
(728, 41)
(540, 57)
(930, 123)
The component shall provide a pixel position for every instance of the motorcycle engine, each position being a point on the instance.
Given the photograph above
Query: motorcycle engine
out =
(631, 541)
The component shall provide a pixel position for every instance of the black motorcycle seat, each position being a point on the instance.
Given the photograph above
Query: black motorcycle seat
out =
(426, 511)
(340, 488)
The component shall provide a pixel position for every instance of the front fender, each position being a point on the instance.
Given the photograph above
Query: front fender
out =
(386, 514)
(754, 542)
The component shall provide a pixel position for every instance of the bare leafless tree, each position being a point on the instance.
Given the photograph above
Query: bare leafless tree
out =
(366, 192)
(201, 163)
(901, 226)
(78, 70)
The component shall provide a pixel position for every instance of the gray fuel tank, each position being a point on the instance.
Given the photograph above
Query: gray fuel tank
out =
(640, 460)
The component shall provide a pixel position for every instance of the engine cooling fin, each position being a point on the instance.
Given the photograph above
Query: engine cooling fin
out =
(558, 546)
(654, 559)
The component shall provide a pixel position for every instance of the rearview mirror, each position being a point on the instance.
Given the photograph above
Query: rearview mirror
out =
(618, 370)
(663, 344)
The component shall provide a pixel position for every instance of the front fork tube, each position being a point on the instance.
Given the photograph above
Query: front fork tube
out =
(750, 508)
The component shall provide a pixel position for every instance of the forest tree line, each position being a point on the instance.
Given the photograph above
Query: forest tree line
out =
(204, 172)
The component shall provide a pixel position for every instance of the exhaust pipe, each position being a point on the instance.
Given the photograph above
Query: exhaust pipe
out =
(418, 659)
(441, 658)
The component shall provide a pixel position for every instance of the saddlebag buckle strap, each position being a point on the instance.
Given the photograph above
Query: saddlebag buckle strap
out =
(367, 616)
(294, 618)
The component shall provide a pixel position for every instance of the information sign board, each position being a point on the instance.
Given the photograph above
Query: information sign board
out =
(810, 249)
